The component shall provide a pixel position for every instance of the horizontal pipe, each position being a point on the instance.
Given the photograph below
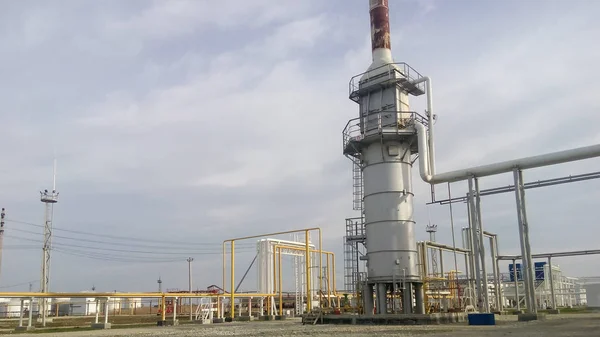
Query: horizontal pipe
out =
(546, 255)
(529, 185)
(485, 233)
(125, 295)
(446, 247)
(497, 168)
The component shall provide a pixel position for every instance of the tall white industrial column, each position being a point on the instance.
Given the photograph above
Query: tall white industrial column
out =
(383, 144)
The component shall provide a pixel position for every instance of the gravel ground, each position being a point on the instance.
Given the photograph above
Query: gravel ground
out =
(578, 325)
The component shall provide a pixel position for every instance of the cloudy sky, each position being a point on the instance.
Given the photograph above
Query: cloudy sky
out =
(178, 124)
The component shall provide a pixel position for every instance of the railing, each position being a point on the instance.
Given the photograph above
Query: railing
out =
(385, 73)
(356, 128)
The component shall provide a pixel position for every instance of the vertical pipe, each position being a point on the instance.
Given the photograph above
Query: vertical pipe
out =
(495, 271)
(308, 294)
(275, 283)
(467, 268)
(21, 313)
(280, 283)
(475, 244)
(190, 283)
(419, 299)
(174, 309)
(552, 294)
(232, 292)
(320, 269)
(469, 237)
(381, 292)
(515, 276)
(484, 279)
(530, 265)
(333, 275)
(441, 263)
(432, 166)
(222, 313)
(407, 298)
(498, 279)
(98, 311)
(30, 318)
(106, 311)
(328, 272)
(521, 219)
(367, 291)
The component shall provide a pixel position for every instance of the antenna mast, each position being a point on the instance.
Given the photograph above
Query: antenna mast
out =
(2, 215)
(49, 199)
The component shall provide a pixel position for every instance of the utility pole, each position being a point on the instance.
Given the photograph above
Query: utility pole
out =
(189, 260)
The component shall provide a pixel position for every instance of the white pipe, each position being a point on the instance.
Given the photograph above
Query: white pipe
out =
(424, 161)
(547, 159)
(430, 116)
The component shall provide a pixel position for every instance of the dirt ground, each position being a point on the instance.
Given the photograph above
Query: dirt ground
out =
(575, 325)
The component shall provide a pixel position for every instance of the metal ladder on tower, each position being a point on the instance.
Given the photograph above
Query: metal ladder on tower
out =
(357, 186)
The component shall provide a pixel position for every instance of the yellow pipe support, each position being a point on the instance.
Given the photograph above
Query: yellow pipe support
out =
(308, 294)
(280, 287)
(328, 282)
(232, 292)
(163, 307)
(306, 230)
(275, 284)
(320, 271)
(124, 295)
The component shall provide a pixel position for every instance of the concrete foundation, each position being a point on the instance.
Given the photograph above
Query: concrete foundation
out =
(203, 321)
(244, 318)
(48, 320)
(531, 317)
(267, 318)
(101, 326)
(280, 318)
(25, 328)
(389, 319)
(218, 320)
(553, 311)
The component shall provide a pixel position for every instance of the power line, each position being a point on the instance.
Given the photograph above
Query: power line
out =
(170, 247)
(116, 237)
(19, 284)
(113, 258)
(121, 250)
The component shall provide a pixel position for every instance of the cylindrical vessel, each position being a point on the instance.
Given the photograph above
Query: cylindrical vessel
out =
(380, 24)
(388, 199)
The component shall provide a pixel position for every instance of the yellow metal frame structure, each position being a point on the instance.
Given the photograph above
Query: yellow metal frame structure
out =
(162, 296)
(307, 250)
(278, 279)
